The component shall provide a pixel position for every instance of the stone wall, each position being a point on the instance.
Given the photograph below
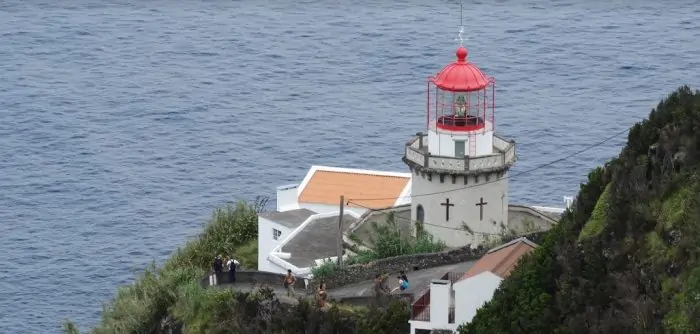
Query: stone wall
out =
(367, 271)
(364, 272)
(371, 300)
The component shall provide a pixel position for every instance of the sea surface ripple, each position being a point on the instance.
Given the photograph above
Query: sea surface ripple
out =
(124, 123)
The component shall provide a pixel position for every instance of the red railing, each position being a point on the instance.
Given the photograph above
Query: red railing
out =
(421, 308)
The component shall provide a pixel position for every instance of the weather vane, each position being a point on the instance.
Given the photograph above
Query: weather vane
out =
(461, 37)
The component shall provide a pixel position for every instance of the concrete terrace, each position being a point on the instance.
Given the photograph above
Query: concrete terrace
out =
(317, 240)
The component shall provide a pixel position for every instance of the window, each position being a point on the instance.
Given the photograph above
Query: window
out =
(420, 213)
(276, 234)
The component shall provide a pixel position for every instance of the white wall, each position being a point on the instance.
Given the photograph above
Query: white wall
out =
(442, 142)
(464, 197)
(439, 302)
(287, 198)
(266, 243)
(472, 293)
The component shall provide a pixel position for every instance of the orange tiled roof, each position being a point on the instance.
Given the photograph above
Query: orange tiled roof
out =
(325, 187)
(501, 261)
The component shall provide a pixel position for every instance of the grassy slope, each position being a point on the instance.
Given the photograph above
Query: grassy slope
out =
(143, 306)
(626, 259)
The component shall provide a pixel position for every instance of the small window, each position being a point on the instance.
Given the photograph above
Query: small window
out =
(276, 234)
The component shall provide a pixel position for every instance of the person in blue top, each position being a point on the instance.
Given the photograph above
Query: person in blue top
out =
(403, 282)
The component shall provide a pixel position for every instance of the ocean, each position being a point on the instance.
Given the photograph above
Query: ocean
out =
(123, 124)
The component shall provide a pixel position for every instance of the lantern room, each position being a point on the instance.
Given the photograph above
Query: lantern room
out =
(460, 110)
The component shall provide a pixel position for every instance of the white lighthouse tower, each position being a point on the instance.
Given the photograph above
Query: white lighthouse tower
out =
(460, 166)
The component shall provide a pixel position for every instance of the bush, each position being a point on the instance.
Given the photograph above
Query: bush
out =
(387, 242)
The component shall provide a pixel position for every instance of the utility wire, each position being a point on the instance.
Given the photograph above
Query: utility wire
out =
(587, 148)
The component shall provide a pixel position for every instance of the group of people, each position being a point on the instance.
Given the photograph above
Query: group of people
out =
(220, 263)
(381, 286)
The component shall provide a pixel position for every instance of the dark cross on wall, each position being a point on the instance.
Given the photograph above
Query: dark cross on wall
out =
(481, 208)
(447, 206)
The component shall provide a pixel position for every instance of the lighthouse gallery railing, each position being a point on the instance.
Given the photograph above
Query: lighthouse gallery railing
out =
(504, 155)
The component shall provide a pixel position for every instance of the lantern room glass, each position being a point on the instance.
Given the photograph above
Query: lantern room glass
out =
(461, 111)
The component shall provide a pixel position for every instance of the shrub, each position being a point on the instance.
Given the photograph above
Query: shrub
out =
(387, 241)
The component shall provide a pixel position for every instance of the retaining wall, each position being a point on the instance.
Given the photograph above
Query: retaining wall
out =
(367, 271)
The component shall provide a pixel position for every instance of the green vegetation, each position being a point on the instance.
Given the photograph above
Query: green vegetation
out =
(596, 223)
(387, 241)
(626, 258)
(144, 306)
(226, 311)
(170, 297)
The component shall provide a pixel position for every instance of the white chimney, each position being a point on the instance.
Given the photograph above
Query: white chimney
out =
(439, 302)
(287, 198)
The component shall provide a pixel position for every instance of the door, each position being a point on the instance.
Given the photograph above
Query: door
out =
(459, 148)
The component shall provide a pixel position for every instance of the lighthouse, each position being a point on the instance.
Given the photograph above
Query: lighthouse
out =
(459, 165)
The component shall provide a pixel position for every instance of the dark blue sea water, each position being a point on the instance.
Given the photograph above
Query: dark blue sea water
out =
(124, 123)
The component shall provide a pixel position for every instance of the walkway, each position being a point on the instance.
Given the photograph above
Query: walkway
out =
(419, 282)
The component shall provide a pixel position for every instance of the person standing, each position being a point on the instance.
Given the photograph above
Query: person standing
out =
(321, 295)
(377, 286)
(289, 281)
(232, 264)
(218, 268)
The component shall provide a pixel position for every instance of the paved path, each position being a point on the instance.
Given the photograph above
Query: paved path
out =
(419, 281)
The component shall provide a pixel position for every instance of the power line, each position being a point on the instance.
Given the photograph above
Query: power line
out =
(429, 224)
(353, 200)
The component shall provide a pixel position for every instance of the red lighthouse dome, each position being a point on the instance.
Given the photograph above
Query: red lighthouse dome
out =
(462, 100)
(461, 76)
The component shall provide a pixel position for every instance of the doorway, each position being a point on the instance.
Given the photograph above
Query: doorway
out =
(459, 148)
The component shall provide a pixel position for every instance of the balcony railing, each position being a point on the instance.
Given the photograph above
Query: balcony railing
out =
(421, 308)
(503, 156)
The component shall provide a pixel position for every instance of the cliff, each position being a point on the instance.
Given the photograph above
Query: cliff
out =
(626, 257)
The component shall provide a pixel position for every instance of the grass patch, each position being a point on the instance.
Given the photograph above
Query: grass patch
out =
(673, 207)
(596, 224)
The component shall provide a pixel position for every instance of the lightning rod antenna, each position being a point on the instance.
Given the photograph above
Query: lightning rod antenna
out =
(461, 23)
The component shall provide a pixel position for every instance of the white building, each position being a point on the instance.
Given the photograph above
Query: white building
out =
(460, 165)
(304, 229)
(454, 299)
